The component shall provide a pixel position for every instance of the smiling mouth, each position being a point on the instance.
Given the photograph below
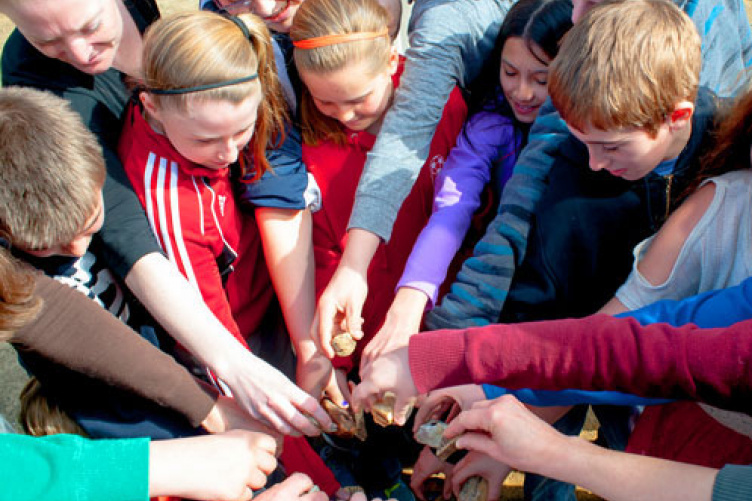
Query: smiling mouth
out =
(279, 15)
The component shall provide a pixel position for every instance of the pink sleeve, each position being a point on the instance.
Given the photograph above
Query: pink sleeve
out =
(595, 353)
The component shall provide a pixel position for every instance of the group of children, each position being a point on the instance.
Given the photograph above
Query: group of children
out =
(225, 188)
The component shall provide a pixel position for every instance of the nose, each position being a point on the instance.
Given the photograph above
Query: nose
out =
(79, 50)
(228, 151)
(264, 8)
(597, 161)
(77, 248)
(344, 114)
(524, 91)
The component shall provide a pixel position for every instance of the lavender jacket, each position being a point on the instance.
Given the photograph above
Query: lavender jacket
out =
(486, 151)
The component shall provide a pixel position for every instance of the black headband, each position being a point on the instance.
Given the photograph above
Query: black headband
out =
(186, 90)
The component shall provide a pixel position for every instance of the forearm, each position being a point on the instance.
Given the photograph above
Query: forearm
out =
(180, 310)
(619, 476)
(595, 353)
(73, 331)
(487, 275)
(360, 249)
(286, 236)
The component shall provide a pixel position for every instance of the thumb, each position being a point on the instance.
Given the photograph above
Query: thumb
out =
(353, 319)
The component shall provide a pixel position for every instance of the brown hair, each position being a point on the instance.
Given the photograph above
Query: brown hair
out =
(52, 169)
(626, 64)
(201, 48)
(732, 138)
(18, 305)
(317, 18)
(41, 416)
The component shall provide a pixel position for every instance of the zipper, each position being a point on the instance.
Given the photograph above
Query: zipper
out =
(669, 181)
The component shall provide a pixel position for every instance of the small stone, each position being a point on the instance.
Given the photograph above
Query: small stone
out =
(474, 489)
(343, 344)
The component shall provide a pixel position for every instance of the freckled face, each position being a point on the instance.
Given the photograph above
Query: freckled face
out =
(211, 133)
(353, 95)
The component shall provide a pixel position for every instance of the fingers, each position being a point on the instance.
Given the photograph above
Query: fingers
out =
(354, 322)
(403, 407)
(324, 321)
(474, 419)
(433, 407)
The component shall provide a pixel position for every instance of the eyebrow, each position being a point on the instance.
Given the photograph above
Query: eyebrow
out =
(243, 129)
(94, 17)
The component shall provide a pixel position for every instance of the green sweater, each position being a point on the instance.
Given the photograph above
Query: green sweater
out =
(73, 468)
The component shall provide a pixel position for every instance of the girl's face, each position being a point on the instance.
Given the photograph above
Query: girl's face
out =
(210, 133)
(524, 78)
(353, 95)
(83, 33)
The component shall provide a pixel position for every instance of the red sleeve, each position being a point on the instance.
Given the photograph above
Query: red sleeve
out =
(595, 353)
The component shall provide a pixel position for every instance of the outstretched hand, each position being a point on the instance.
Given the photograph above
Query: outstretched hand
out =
(267, 395)
(340, 307)
(225, 466)
(506, 431)
(390, 372)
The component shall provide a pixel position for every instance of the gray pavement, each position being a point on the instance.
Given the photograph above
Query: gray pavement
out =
(12, 379)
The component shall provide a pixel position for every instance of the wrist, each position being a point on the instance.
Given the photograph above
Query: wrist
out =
(214, 422)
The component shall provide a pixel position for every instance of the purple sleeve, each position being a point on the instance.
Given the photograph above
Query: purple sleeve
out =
(486, 139)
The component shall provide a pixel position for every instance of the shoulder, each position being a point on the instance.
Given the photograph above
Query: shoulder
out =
(664, 250)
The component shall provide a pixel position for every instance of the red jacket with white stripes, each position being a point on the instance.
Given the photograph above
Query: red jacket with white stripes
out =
(193, 213)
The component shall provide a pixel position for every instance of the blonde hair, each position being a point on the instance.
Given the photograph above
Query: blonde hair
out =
(318, 18)
(41, 416)
(18, 304)
(52, 169)
(626, 64)
(202, 48)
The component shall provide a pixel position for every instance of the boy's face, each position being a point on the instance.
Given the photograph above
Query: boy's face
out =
(628, 153)
(83, 33)
(77, 247)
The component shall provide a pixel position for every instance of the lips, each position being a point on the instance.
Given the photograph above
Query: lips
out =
(618, 172)
(524, 109)
(282, 15)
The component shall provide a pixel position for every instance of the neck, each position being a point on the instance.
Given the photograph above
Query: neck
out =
(680, 142)
(128, 57)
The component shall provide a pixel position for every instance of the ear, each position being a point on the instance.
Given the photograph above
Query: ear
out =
(148, 101)
(393, 60)
(681, 116)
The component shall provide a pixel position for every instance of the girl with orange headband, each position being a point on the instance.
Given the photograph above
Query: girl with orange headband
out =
(350, 70)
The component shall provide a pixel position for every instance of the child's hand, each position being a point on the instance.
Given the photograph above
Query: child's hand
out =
(267, 395)
(508, 432)
(314, 371)
(389, 372)
(340, 306)
(427, 465)
(212, 467)
(402, 321)
(479, 465)
(227, 415)
(297, 486)
(447, 401)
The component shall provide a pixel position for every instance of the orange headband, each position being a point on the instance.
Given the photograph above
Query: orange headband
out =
(314, 43)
